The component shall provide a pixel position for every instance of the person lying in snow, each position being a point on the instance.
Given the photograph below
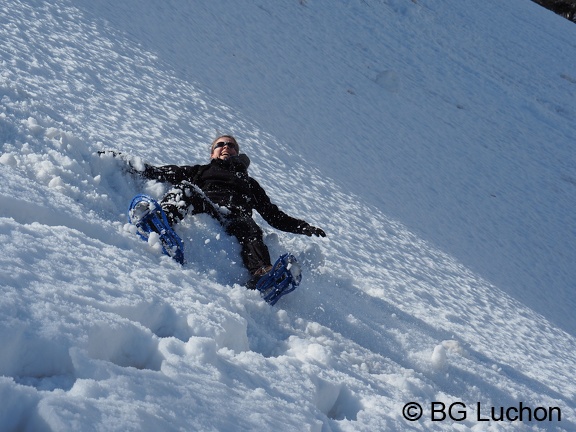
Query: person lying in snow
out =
(223, 189)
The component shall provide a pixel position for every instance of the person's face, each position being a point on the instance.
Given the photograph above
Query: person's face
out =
(225, 147)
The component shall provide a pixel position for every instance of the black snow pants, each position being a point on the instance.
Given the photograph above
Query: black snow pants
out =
(179, 202)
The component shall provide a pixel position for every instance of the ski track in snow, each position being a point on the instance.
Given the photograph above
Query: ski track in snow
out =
(101, 332)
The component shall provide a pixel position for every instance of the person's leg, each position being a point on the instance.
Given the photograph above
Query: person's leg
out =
(255, 254)
(179, 202)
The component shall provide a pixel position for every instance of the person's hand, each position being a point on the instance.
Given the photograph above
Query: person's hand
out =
(113, 153)
(132, 164)
(310, 230)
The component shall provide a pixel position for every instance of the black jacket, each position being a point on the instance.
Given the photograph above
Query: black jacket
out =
(227, 183)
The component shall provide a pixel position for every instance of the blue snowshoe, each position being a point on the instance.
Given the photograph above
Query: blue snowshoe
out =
(147, 215)
(284, 277)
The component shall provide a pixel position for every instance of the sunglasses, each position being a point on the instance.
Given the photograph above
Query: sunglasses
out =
(226, 143)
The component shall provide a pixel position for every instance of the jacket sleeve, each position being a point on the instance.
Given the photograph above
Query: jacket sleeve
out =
(173, 174)
(168, 173)
(272, 214)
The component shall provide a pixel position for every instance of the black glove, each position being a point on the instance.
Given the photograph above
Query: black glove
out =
(108, 153)
(130, 162)
(310, 230)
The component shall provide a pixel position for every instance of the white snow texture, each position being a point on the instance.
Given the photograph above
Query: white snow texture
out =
(432, 141)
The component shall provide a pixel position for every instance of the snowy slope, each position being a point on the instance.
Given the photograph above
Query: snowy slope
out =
(465, 114)
(433, 143)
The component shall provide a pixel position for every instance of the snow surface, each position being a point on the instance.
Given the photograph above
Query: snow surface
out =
(434, 143)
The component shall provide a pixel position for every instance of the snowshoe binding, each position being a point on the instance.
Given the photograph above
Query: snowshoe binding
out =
(282, 279)
(148, 217)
